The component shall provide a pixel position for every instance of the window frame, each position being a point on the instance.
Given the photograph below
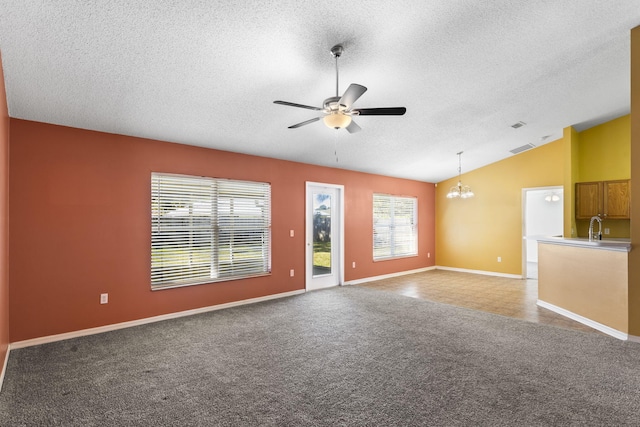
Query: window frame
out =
(208, 230)
(392, 208)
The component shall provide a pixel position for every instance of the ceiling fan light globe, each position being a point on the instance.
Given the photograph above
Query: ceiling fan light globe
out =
(337, 120)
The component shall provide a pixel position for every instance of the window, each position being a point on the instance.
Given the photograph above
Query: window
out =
(205, 230)
(395, 226)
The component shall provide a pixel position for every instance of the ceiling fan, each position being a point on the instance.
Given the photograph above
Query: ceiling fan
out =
(337, 111)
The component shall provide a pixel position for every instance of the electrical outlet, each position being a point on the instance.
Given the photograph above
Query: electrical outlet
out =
(104, 298)
(353, 265)
(606, 231)
(428, 254)
(499, 259)
(291, 273)
(291, 233)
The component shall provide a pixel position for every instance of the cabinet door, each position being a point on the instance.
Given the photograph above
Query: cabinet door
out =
(617, 199)
(588, 199)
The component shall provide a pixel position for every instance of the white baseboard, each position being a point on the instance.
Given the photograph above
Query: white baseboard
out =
(387, 276)
(485, 273)
(585, 321)
(420, 270)
(116, 326)
(4, 366)
(633, 338)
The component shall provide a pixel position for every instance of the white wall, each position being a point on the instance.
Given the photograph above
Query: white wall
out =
(542, 218)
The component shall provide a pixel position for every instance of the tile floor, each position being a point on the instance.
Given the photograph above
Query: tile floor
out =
(508, 297)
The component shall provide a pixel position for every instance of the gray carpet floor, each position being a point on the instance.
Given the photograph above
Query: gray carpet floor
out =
(343, 356)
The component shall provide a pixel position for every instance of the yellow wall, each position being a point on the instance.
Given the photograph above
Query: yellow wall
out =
(571, 166)
(618, 228)
(604, 154)
(605, 150)
(473, 233)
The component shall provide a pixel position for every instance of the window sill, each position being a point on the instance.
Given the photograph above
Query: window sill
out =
(395, 258)
(207, 282)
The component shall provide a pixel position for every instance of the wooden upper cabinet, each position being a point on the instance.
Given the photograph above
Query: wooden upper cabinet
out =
(608, 199)
(588, 199)
(617, 199)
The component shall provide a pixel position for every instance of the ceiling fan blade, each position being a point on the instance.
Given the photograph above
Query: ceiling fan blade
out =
(353, 127)
(353, 92)
(291, 104)
(391, 111)
(306, 122)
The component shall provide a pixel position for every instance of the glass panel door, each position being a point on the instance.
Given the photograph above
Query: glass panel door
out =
(324, 236)
(321, 233)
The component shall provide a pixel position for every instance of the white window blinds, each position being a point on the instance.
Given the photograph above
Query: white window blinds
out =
(205, 230)
(395, 226)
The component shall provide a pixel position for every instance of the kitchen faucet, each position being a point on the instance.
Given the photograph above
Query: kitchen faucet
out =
(595, 218)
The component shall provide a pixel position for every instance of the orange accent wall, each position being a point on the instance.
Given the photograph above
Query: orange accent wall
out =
(4, 220)
(80, 226)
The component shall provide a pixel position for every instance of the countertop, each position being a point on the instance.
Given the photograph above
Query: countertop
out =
(622, 245)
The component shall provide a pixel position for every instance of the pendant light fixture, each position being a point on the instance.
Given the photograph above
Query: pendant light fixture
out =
(552, 197)
(461, 191)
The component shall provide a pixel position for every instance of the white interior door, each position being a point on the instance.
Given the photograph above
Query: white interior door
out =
(324, 235)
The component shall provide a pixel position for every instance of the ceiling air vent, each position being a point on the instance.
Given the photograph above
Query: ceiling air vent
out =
(518, 125)
(521, 149)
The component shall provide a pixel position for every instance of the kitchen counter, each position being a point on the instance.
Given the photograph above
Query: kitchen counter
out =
(623, 245)
(586, 281)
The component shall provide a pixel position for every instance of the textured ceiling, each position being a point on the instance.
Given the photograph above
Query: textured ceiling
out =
(206, 73)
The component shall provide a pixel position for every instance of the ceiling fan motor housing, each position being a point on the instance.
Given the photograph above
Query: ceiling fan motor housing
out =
(331, 104)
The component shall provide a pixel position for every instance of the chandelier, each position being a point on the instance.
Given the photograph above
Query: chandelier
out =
(462, 191)
(552, 197)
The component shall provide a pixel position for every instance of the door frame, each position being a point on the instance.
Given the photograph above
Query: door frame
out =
(308, 258)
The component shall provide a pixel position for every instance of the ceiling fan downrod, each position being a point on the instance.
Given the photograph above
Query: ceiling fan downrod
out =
(336, 51)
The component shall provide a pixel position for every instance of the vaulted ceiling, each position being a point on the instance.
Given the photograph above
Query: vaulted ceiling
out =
(206, 73)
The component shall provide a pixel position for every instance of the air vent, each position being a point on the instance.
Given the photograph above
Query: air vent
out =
(518, 125)
(521, 149)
